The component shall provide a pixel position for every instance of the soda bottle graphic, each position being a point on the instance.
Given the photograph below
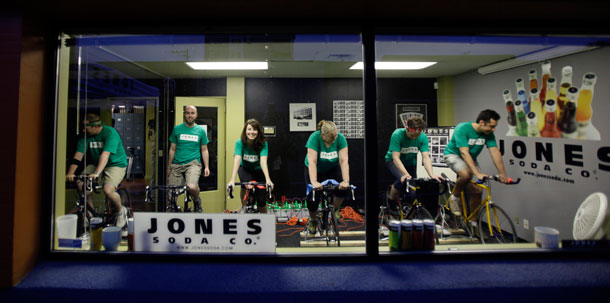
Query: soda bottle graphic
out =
(512, 119)
(533, 77)
(567, 121)
(507, 96)
(584, 111)
(566, 82)
(546, 74)
(532, 125)
(521, 120)
(551, 89)
(550, 129)
(521, 94)
(537, 107)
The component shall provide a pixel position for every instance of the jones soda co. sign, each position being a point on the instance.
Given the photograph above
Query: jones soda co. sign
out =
(204, 233)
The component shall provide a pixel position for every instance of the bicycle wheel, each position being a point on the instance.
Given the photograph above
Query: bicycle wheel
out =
(419, 212)
(498, 228)
(333, 226)
(384, 223)
(126, 201)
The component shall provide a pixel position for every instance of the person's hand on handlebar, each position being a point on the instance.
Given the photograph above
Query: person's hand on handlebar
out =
(70, 177)
(405, 177)
(94, 175)
(482, 176)
(231, 184)
(502, 178)
(437, 178)
(316, 185)
(344, 185)
(269, 184)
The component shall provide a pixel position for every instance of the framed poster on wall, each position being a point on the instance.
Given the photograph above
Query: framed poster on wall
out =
(302, 117)
(406, 111)
(349, 117)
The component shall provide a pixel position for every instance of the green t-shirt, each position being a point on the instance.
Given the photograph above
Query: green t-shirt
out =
(107, 140)
(464, 135)
(250, 158)
(408, 148)
(328, 157)
(188, 142)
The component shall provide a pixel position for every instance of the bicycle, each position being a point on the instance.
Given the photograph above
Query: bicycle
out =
(174, 192)
(86, 211)
(326, 221)
(415, 210)
(494, 225)
(249, 196)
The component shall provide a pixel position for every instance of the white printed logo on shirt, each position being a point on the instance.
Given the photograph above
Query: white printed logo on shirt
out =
(409, 150)
(251, 158)
(476, 141)
(96, 144)
(185, 137)
(328, 156)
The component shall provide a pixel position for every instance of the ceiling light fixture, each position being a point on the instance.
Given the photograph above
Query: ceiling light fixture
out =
(228, 65)
(533, 57)
(395, 65)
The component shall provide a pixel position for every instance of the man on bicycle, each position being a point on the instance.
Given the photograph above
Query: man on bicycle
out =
(461, 156)
(104, 148)
(401, 157)
(189, 144)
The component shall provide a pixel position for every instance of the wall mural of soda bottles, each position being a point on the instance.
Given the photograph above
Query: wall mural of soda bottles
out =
(542, 111)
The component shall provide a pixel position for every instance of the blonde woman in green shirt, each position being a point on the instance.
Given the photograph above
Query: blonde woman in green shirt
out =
(250, 161)
(327, 158)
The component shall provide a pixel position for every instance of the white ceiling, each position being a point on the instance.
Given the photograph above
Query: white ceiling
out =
(322, 56)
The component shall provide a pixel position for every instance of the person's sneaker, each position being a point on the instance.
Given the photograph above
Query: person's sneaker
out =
(197, 205)
(312, 227)
(337, 214)
(454, 204)
(121, 217)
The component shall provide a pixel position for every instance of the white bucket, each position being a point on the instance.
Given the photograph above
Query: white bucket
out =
(66, 226)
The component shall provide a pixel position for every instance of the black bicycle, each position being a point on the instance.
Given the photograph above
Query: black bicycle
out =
(173, 193)
(86, 211)
(414, 210)
(326, 221)
(251, 187)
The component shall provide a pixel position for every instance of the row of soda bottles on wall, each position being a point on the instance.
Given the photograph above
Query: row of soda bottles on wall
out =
(548, 113)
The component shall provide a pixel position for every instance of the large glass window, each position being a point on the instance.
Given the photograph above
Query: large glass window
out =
(171, 127)
(549, 96)
(146, 115)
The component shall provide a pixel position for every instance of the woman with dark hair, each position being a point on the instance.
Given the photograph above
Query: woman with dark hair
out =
(250, 161)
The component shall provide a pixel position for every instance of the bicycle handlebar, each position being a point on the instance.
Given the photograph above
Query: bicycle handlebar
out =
(330, 185)
(254, 185)
(496, 178)
(417, 180)
(175, 190)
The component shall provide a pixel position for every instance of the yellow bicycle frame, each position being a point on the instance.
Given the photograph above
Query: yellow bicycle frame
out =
(485, 202)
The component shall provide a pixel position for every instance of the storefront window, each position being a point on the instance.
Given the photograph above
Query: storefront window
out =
(142, 100)
(549, 136)
(152, 117)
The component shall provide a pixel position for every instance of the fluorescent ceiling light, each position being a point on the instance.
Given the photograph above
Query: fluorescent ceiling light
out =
(533, 57)
(395, 65)
(228, 65)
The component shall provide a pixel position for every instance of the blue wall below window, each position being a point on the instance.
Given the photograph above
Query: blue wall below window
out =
(309, 281)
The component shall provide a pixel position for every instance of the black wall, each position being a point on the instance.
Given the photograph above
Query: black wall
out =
(268, 100)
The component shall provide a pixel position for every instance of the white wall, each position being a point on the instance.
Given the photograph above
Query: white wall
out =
(544, 202)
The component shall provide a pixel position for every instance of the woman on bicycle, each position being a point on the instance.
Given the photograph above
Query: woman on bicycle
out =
(250, 161)
(327, 158)
(401, 158)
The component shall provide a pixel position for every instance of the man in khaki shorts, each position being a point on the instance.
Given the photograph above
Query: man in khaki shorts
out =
(189, 145)
(103, 146)
(461, 154)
